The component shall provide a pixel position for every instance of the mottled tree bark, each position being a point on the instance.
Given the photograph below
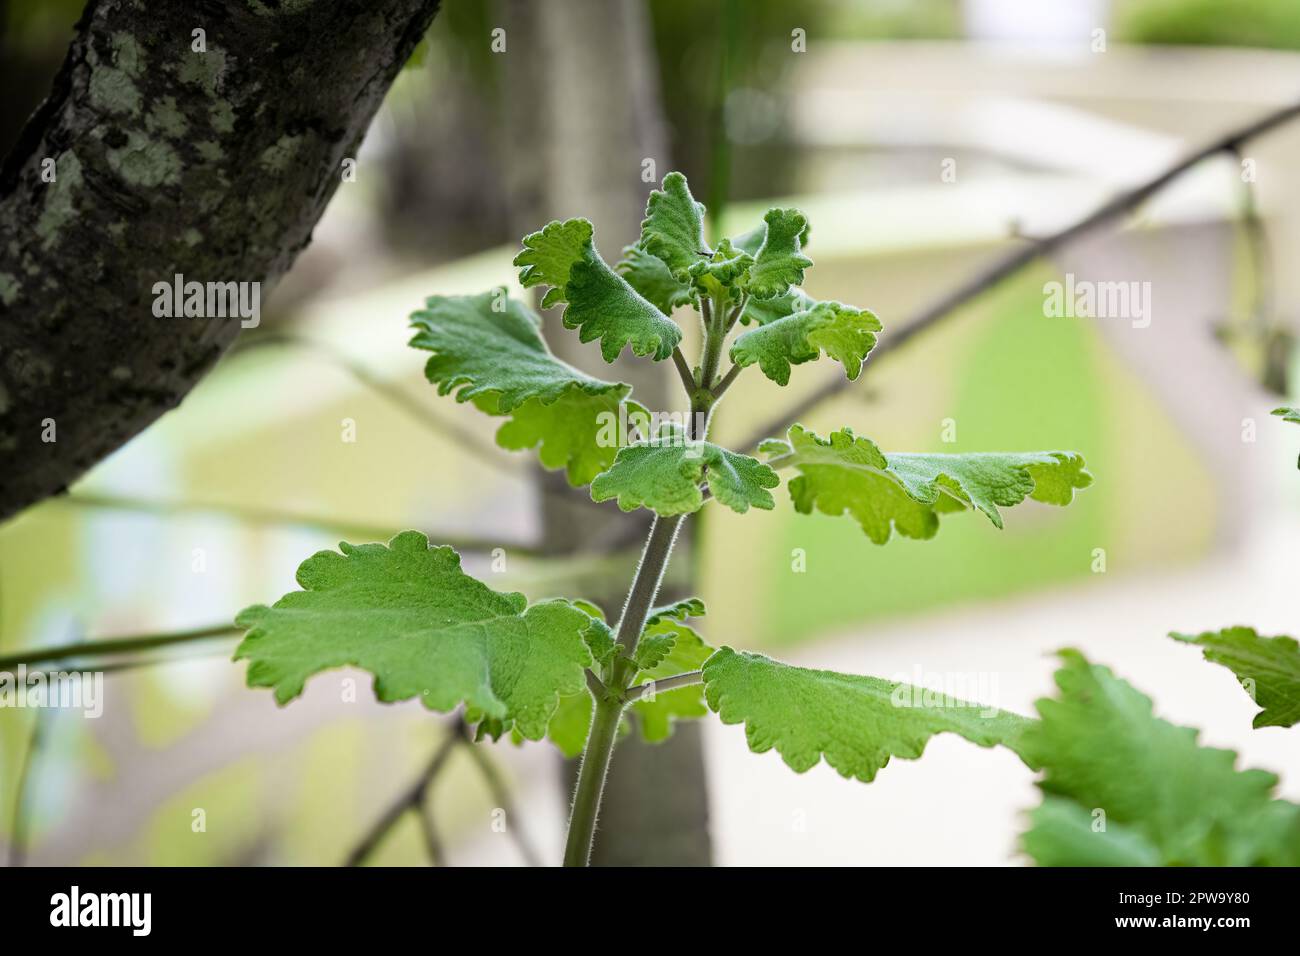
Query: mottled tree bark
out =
(215, 165)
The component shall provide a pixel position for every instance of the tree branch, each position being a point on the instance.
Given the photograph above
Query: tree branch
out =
(501, 795)
(26, 783)
(113, 645)
(271, 516)
(167, 161)
(1016, 260)
(412, 798)
(417, 410)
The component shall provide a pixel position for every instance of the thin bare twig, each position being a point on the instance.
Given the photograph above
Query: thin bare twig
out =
(136, 663)
(432, 844)
(271, 516)
(412, 798)
(415, 798)
(501, 796)
(22, 799)
(1016, 260)
(114, 645)
(463, 438)
(417, 410)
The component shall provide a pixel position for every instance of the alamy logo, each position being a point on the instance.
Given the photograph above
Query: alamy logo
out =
(1084, 299)
(208, 300)
(948, 689)
(630, 426)
(67, 690)
(102, 909)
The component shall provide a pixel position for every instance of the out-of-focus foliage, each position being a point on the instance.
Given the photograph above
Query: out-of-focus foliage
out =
(1267, 667)
(1166, 798)
(1256, 23)
(735, 57)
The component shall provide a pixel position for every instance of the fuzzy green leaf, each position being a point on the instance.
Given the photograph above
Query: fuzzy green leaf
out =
(721, 275)
(664, 475)
(1062, 833)
(779, 263)
(656, 715)
(846, 474)
(652, 280)
(1268, 668)
(655, 645)
(1289, 415)
(577, 434)
(489, 349)
(599, 635)
(663, 627)
(601, 304)
(571, 723)
(1175, 801)
(856, 723)
(766, 311)
(752, 240)
(669, 647)
(678, 611)
(673, 230)
(844, 333)
(407, 613)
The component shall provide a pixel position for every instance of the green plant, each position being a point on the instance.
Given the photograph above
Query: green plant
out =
(1267, 667)
(1288, 414)
(558, 669)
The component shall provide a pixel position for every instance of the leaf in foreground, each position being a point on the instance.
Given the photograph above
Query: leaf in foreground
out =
(673, 230)
(601, 304)
(489, 349)
(845, 474)
(844, 333)
(1160, 796)
(779, 262)
(1267, 667)
(753, 240)
(856, 723)
(409, 615)
(664, 475)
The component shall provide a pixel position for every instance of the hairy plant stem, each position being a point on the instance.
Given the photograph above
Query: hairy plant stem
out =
(664, 684)
(610, 704)
(613, 696)
(716, 334)
(591, 779)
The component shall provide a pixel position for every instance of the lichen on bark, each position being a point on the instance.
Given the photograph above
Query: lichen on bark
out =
(215, 164)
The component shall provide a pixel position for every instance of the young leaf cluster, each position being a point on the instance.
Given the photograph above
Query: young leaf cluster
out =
(407, 613)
